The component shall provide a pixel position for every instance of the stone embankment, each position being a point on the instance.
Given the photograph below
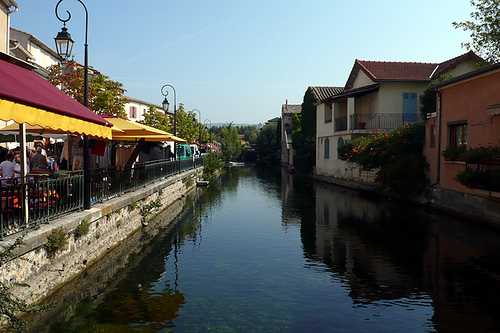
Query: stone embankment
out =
(484, 210)
(110, 224)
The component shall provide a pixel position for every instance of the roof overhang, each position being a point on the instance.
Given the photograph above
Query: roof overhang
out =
(356, 92)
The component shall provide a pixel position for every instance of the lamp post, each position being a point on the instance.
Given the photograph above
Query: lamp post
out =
(64, 45)
(210, 130)
(199, 121)
(165, 104)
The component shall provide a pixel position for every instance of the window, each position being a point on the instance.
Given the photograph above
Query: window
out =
(432, 134)
(133, 112)
(340, 145)
(328, 114)
(327, 149)
(457, 134)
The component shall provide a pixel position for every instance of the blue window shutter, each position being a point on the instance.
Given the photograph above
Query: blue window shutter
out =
(410, 107)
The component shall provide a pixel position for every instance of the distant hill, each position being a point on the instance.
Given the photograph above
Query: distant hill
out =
(224, 124)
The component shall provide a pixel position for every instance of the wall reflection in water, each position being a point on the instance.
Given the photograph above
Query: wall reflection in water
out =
(391, 253)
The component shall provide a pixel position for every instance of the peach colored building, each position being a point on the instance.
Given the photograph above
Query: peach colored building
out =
(468, 115)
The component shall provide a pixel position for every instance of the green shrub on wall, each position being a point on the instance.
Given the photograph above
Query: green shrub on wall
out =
(82, 229)
(56, 241)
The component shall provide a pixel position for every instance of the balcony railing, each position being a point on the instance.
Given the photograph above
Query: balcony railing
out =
(484, 176)
(51, 195)
(375, 121)
(340, 124)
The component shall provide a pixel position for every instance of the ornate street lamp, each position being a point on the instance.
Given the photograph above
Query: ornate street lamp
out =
(64, 45)
(210, 129)
(165, 104)
(199, 121)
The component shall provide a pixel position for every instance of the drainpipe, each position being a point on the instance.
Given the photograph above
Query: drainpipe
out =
(10, 11)
(438, 164)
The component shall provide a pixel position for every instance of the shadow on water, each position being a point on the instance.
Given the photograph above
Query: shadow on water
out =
(399, 266)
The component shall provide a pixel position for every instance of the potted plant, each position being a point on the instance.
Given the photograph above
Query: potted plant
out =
(454, 153)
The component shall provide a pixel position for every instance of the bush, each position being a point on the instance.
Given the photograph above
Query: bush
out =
(454, 153)
(56, 240)
(211, 164)
(475, 155)
(397, 155)
(82, 229)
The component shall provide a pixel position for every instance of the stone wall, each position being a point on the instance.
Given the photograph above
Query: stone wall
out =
(111, 223)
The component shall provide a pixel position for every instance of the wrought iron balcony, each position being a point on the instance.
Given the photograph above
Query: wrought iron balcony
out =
(375, 121)
(484, 176)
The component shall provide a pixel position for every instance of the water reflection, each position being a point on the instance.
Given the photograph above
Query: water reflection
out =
(262, 250)
(390, 254)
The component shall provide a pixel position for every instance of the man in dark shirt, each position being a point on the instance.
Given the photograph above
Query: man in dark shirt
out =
(38, 161)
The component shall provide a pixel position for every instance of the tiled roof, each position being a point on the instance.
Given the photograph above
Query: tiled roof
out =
(322, 93)
(353, 92)
(480, 71)
(379, 71)
(448, 65)
(291, 108)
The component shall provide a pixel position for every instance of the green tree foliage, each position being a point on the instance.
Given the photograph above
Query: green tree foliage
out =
(157, 119)
(484, 29)
(188, 126)
(211, 164)
(428, 97)
(266, 142)
(250, 132)
(230, 143)
(397, 156)
(105, 95)
(304, 134)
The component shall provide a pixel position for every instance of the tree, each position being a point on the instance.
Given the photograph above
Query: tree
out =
(485, 29)
(188, 126)
(105, 95)
(230, 143)
(428, 97)
(157, 119)
(304, 134)
(250, 132)
(266, 141)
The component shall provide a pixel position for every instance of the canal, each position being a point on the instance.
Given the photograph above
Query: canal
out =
(260, 251)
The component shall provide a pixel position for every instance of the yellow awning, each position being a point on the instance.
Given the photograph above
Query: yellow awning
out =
(128, 130)
(149, 138)
(37, 129)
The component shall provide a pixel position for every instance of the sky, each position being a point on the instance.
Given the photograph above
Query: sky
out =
(240, 60)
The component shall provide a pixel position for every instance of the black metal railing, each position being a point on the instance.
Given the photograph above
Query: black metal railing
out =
(381, 121)
(340, 124)
(484, 176)
(40, 198)
(45, 196)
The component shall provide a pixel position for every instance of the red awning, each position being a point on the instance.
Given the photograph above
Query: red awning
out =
(25, 97)
(214, 147)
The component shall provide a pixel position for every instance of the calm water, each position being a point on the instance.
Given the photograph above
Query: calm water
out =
(260, 252)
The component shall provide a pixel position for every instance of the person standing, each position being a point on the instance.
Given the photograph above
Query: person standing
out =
(17, 167)
(38, 161)
(7, 166)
